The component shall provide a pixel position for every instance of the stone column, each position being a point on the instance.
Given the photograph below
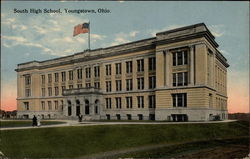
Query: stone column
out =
(73, 107)
(168, 69)
(192, 65)
(213, 70)
(159, 69)
(83, 106)
(65, 108)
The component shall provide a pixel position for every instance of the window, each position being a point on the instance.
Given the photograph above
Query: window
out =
(27, 79)
(151, 101)
(62, 104)
(129, 101)
(180, 79)
(97, 85)
(56, 77)
(79, 85)
(26, 105)
(118, 68)
(108, 103)
(129, 67)
(43, 105)
(56, 105)
(118, 85)
(140, 83)
(79, 73)
(49, 78)
(43, 79)
(179, 100)
(140, 101)
(129, 116)
(63, 88)
(108, 70)
(88, 72)
(152, 82)
(43, 92)
(56, 91)
(140, 65)
(27, 93)
(108, 86)
(71, 86)
(63, 76)
(97, 71)
(151, 64)
(180, 58)
(129, 84)
(50, 91)
(71, 75)
(49, 105)
(118, 102)
(118, 116)
(140, 116)
(88, 85)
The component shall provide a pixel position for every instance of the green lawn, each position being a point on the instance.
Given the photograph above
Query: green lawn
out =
(68, 142)
(16, 123)
(176, 150)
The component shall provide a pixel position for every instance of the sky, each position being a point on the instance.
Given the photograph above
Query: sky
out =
(30, 36)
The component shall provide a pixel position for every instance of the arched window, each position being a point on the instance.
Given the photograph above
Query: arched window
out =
(97, 106)
(77, 107)
(86, 107)
(69, 108)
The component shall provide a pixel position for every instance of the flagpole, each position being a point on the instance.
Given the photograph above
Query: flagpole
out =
(89, 35)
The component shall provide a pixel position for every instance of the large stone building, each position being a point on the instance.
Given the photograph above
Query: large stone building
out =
(179, 75)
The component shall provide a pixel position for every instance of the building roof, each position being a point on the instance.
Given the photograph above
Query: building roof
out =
(165, 37)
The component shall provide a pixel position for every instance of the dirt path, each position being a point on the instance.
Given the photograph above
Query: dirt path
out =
(230, 151)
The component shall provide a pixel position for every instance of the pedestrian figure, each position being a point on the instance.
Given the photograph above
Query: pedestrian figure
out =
(34, 123)
(38, 120)
(80, 117)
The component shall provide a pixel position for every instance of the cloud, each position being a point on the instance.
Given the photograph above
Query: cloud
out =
(52, 37)
(217, 30)
(40, 30)
(224, 52)
(133, 33)
(20, 27)
(121, 38)
(7, 21)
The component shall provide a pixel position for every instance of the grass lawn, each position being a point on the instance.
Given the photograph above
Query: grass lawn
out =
(68, 142)
(16, 123)
(178, 150)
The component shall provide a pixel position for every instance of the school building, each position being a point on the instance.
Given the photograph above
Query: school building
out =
(178, 75)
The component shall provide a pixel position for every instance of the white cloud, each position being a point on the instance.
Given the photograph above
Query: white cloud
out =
(121, 38)
(224, 52)
(52, 37)
(14, 38)
(217, 30)
(7, 21)
(133, 33)
(20, 27)
(97, 36)
(40, 30)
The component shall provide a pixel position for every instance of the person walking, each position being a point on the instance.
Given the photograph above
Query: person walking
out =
(80, 117)
(38, 121)
(34, 121)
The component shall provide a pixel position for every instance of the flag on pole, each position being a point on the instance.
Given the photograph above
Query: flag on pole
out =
(81, 28)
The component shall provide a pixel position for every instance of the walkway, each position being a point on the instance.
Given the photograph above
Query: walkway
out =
(90, 123)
